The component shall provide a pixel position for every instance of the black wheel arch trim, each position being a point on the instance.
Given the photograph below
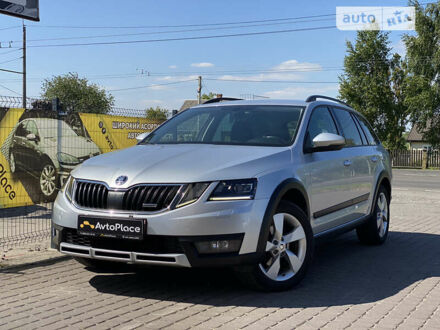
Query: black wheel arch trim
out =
(383, 175)
(274, 201)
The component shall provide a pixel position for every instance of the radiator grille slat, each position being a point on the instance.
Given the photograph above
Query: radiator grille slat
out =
(91, 195)
(149, 198)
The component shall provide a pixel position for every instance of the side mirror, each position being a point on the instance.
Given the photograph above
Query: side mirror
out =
(327, 142)
(32, 137)
(142, 136)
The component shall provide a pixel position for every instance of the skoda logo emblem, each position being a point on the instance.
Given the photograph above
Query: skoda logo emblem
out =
(121, 180)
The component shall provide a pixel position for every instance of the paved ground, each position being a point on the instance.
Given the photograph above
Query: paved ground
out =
(396, 285)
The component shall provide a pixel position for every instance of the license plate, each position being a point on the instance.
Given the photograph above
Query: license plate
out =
(107, 227)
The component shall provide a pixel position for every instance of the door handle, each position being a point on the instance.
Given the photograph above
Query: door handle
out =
(347, 162)
(374, 159)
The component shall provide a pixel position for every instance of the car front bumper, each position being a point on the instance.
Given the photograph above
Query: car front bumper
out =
(171, 236)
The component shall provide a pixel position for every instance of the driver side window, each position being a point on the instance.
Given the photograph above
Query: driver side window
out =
(321, 121)
(32, 128)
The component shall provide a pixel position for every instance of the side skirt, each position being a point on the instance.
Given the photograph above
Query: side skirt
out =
(341, 229)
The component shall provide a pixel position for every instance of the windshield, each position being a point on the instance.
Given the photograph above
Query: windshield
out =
(52, 128)
(252, 125)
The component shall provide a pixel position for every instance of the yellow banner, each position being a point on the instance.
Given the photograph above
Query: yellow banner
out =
(37, 152)
(115, 132)
(12, 191)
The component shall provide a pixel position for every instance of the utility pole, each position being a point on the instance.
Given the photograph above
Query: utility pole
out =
(199, 91)
(24, 66)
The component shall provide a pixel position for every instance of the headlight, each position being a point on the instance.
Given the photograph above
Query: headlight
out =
(192, 193)
(67, 189)
(234, 190)
(67, 159)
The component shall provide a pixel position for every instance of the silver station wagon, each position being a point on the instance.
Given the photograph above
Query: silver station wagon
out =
(244, 184)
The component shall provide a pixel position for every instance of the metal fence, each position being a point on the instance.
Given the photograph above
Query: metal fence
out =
(433, 159)
(39, 147)
(407, 158)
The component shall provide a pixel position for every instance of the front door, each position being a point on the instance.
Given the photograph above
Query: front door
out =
(330, 177)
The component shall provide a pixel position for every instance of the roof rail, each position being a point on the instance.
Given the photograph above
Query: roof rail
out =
(312, 98)
(221, 99)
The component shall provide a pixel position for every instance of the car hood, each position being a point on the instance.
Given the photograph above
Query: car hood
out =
(182, 163)
(77, 146)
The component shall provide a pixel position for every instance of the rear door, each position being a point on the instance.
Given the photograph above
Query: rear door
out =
(358, 163)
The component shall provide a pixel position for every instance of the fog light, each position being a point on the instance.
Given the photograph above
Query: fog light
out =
(218, 246)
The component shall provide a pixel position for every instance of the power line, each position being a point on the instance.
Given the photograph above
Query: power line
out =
(181, 25)
(10, 90)
(167, 32)
(14, 59)
(274, 81)
(149, 86)
(12, 51)
(186, 38)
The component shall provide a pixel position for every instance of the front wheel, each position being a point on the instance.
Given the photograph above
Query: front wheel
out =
(289, 250)
(48, 182)
(12, 163)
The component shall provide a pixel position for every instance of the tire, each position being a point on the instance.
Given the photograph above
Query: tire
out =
(287, 255)
(48, 182)
(97, 264)
(375, 230)
(12, 163)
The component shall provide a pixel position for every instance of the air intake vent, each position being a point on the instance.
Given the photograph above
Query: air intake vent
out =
(91, 195)
(149, 198)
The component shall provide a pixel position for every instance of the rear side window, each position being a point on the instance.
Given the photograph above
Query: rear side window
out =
(348, 127)
(321, 121)
(366, 128)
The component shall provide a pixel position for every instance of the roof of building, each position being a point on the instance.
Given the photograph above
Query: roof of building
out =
(189, 104)
(415, 135)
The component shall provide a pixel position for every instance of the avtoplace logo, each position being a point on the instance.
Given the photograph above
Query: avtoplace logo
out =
(118, 227)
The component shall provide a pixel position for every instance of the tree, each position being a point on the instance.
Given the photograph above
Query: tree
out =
(209, 96)
(423, 79)
(77, 94)
(156, 114)
(373, 84)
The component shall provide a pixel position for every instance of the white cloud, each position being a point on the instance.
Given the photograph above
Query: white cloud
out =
(202, 65)
(152, 101)
(177, 78)
(287, 70)
(173, 67)
(301, 92)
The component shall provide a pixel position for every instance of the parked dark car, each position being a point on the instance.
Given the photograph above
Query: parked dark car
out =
(48, 149)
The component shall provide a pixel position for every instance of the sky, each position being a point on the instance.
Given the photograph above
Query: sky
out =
(233, 66)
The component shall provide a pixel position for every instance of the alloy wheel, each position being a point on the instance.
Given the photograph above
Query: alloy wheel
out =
(48, 180)
(285, 248)
(12, 165)
(382, 215)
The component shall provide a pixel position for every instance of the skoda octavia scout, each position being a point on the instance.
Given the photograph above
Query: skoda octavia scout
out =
(243, 184)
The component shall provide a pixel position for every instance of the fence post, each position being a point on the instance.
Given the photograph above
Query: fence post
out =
(424, 160)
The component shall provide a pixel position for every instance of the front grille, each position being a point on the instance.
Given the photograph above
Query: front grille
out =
(149, 198)
(91, 195)
(151, 244)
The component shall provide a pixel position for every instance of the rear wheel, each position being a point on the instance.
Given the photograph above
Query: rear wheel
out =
(375, 230)
(289, 249)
